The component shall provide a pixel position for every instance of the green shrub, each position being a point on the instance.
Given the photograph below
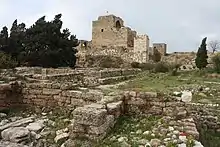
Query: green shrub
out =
(135, 65)
(6, 61)
(161, 67)
(147, 66)
(216, 63)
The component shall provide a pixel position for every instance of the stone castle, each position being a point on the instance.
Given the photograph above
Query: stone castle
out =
(111, 37)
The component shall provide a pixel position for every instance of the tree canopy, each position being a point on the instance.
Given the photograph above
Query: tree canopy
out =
(43, 44)
(201, 56)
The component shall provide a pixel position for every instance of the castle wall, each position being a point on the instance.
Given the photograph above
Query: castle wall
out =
(141, 48)
(110, 31)
(161, 48)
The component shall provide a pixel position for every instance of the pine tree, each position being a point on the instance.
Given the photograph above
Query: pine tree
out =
(201, 56)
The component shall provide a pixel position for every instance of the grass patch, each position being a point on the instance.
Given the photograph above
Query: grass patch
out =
(132, 128)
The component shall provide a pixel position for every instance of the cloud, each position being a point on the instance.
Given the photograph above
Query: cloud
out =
(181, 24)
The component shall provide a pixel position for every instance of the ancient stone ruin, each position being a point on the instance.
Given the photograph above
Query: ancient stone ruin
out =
(111, 37)
(94, 111)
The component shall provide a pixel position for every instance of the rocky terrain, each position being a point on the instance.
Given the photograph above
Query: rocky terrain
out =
(141, 116)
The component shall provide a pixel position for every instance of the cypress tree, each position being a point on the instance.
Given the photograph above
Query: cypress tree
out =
(201, 56)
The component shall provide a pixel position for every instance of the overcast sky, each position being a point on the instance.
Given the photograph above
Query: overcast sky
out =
(179, 23)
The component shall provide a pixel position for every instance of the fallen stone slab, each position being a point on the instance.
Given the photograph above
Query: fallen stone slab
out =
(16, 134)
(17, 123)
(36, 126)
(10, 144)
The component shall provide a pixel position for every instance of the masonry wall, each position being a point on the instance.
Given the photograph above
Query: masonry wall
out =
(10, 95)
(110, 31)
(161, 48)
(141, 48)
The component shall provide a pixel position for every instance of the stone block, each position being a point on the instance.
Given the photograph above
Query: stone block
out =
(155, 110)
(136, 101)
(72, 93)
(47, 85)
(175, 104)
(89, 116)
(158, 104)
(77, 102)
(51, 91)
(5, 87)
(150, 94)
(35, 91)
(55, 86)
(110, 99)
(34, 85)
(104, 128)
(30, 96)
(24, 91)
(95, 105)
(76, 128)
(115, 108)
(44, 97)
(169, 111)
(93, 95)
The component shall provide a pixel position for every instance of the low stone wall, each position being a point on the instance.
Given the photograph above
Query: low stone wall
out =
(10, 95)
(57, 94)
(95, 120)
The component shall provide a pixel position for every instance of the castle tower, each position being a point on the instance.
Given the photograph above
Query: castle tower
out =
(109, 30)
(141, 48)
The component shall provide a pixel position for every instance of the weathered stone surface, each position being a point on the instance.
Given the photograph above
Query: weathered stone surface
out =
(10, 144)
(17, 123)
(74, 127)
(93, 95)
(95, 105)
(51, 91)
(16, 134)
(89, 116)
(36, 126)
(109, 123)
(186, 96)
(115, 108)
(61, 138)
(73, 93)
(136, 101)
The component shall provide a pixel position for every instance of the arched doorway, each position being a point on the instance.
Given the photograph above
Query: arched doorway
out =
(118, 25)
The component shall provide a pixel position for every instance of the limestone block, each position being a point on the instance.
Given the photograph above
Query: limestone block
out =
(76, 128)
(150, 94)
(44, 97)
(110, 99)
(72, 93)
(77, 102)
(136, 101)
(158, 104)
(89, 116)
(35, 91)
(175, 104)
(34, 85)
(115, 108)
(95, 105)
(16, 134)
(39, 102)
(55, 86)
(155, 110)
(25, 91)
(102, 129)
(30, 96)
(93, 95)
(168, 111)
(47, 85)
(51, 91)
